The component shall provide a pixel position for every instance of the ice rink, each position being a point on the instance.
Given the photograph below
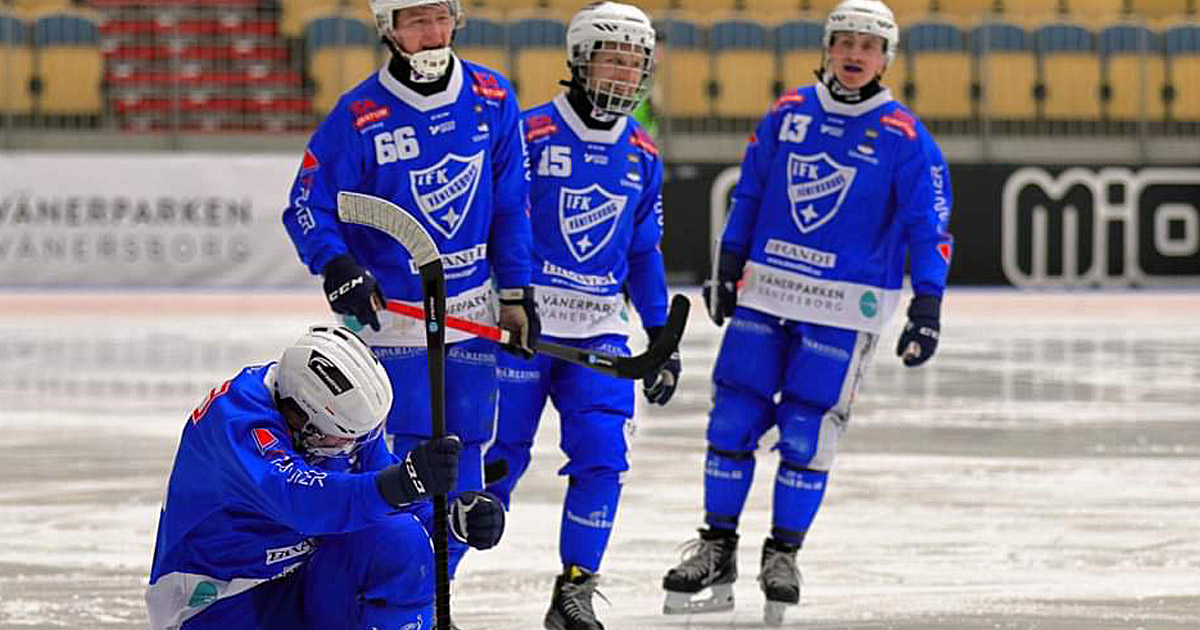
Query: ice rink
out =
(1042, 472)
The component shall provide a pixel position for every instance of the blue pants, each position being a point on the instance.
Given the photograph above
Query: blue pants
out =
(470, 410)
(594, 411)
(378, 577)
(796, 376)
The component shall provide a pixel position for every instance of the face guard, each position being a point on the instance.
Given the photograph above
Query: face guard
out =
(624, 34)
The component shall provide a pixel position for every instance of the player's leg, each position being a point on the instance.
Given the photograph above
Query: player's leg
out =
(596, 412)
(823, 372)
(745, 378)
(470, 413)
(378, 577)
(522, 388)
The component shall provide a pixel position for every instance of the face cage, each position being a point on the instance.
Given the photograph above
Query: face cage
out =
(310, 436)
(615, 96)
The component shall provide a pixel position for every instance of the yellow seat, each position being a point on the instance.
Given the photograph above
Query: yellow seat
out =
(1007, 71)
(940, 70)
(16, 67)
(715, 6)
(798, 45)
(1134, 72)
(1159, 8)
(483, 41)
(1182, 44)
(1091, 10)
(69, 64)
(743, 67)
(494, 58)
(684, 73)
(537, 72)
(36, 8)
(963, 9)
(1070, 72)
(1032, 10)
(341, 54)
(895, 78)
(295, 14)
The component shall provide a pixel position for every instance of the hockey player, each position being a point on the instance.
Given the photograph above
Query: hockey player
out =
(838, 183)
(439, 136)
(280, 510)
(597, 221)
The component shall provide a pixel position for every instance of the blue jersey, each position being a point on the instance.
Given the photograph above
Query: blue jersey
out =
(242, 505)
(455, 160)
(596, 200)
(831, 198)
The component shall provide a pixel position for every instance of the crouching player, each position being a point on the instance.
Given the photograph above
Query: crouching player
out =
(281, 506)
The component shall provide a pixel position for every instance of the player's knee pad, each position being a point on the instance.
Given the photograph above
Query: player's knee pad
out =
(808, 437)
(738, 419)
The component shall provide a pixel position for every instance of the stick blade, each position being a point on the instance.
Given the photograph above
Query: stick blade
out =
(391, 219)
(664, 346)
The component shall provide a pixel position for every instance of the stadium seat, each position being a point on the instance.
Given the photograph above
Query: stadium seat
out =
(941, 71)
(684, 73)
(744, 69)
(16, 67)
(1007, 70)
(294, 15)
(714, 7)
(69, 65)
(36, 8)
(1134, 73)
(1158, 8)
(341, 54)
(783, 9)
(1106, 10)
(798, 44)
(539, 59)
(966, 9)
(1182, 45)
(482, 41)
(1036, 10)
(1070, 72)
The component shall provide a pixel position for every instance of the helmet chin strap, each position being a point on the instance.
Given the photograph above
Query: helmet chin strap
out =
(843, 94)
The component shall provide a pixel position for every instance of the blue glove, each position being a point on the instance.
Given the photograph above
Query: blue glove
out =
(720, 295)
(477, 519)
(660, 386)
(919, 340)
(352, 290)
(518, 315)
(429, 469)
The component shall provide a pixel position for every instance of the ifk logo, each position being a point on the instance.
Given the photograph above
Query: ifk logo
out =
(444, 191)
(588, 218)
(816, 188)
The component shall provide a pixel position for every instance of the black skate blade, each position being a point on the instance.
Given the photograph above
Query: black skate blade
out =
(719, 599)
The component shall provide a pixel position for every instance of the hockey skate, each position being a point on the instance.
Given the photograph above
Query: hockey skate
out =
(571, 605)
(709, 563)
(779, 579)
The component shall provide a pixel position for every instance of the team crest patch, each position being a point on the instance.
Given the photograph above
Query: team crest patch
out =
(264, 440)
(817, 185)
(444, 191)
(588, 218)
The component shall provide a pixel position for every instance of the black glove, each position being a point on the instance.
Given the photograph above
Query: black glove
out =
(477, 518)
(352, 290)
(919, 339)
(729, 271)
(660, 386)
(429, 469)
(518, 315)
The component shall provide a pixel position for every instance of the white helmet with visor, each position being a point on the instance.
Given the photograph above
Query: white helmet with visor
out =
(429, 65)
(872, 17)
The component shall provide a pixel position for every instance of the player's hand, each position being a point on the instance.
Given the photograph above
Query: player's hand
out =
(429, 469)
(919, 340)
(477, 519)
(720, 294)
(518, 315)
(352, 290)
(660, 386)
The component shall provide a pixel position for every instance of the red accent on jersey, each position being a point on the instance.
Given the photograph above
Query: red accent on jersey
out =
(371, 117)
(487, 86)
(213, 394)
(264, 439)
(945, 250)
(539, 126)
(310, 163)
(787, 99)
(358, 108)
(903, 122)
(642, 140)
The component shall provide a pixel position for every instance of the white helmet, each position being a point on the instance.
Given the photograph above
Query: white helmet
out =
(331, 377)
(429, 65)
(613, 27)
(864, 16)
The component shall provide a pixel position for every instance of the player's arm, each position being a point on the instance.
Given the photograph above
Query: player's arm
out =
(647, 280)
(333, 162)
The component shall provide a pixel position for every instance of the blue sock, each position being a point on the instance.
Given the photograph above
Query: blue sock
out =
(798, 495)
(727, 479)
(589, 512)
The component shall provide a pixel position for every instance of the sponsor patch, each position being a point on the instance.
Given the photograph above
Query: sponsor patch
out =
(367, 113)
(786, 100)
(642, 140)
(264, 440)
(539, 127)
(488, 87)
(901, 121)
